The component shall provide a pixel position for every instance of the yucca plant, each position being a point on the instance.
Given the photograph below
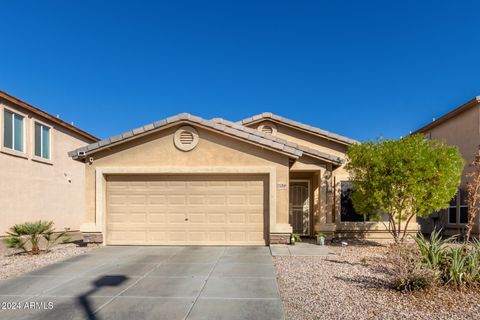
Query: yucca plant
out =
(472, 264)
(433, 250)
(456, 272)
(27, 236)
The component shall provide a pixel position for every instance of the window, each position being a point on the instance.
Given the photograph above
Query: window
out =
(13, 131)
(347, 210)
(42, 141)
(459, 216)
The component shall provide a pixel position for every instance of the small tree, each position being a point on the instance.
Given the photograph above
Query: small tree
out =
(403, 178)
(473, 195)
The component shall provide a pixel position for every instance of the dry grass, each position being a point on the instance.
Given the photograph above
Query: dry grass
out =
(357, 286)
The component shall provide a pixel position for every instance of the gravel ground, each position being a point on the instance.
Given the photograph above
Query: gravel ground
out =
(13, 264)
(355, 286)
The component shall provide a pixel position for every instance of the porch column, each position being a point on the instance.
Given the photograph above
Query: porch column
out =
(322, 195)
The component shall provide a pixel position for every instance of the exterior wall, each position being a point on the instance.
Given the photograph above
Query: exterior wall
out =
(33, 189)
(463, 131)
(327, 180)
(156, 151)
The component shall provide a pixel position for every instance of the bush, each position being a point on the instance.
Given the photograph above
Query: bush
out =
(458, 265)
(27, 236)
(409, 271)
(433, 251)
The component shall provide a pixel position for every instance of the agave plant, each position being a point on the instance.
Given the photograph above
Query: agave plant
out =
(457, 267)
(433, 251)
(27, 236)
(472, 264)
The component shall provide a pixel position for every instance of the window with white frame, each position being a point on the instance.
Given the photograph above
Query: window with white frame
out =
(42, 141)
(13, 131)
(458, 210)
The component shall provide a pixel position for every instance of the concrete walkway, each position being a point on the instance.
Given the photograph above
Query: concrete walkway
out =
(300, 249)
(149, 283)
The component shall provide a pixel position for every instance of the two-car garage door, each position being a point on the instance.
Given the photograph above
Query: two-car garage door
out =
(186, 210)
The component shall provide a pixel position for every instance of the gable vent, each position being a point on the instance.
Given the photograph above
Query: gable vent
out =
(267, 129)
(186, 137)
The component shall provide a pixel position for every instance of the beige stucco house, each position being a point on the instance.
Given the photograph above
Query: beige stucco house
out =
(460, 127)
(188, 180)
(38, 180)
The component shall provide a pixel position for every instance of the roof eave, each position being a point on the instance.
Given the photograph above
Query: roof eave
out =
(46, 115)
(467, 105)
(265, 117)
(75, 153)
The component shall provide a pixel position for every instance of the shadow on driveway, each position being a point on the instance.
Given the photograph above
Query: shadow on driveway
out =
(105, 281)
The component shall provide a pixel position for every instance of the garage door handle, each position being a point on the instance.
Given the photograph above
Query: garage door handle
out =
(186, 219)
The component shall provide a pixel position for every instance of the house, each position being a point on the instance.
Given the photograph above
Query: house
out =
(38, 179)
(460, 127)
(191, 181)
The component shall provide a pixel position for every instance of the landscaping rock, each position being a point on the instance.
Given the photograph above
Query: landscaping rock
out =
(13, 263)
(355, 285)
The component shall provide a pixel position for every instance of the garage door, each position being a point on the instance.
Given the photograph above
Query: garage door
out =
(186, 210)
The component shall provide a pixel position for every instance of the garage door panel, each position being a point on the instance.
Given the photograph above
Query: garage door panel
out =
(155, 217)
(182, 210)
(157, 199)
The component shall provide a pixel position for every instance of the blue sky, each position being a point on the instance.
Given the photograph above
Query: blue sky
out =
(359, 68)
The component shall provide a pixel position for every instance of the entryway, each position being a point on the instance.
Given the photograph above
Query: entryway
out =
(299, 206)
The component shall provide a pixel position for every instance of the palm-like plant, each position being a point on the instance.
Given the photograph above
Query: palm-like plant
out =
(29, 234)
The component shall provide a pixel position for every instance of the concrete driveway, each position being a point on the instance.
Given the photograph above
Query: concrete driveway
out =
(149, 283)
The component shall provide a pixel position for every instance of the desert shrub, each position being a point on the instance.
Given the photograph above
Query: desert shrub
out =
(458, 265)
(408, 270)
(455, 267)
(462, 266)
(473, 264)
(433, 250)
(27, 236)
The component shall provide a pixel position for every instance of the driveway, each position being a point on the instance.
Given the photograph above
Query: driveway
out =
(149, 283)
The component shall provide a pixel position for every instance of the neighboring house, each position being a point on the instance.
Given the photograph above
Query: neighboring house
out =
(38, 179)
(460, 127)
(187, 180)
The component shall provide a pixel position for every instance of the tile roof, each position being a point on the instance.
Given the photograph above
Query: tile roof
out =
(296, 124)
(219, 125)
(239, 132)
(288, 144)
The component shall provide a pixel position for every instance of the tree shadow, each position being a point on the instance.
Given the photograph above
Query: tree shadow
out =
(105, 281)
(367, 282)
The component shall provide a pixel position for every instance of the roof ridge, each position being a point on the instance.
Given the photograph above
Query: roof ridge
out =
(316, 130)
(236, 131)
(286, 142)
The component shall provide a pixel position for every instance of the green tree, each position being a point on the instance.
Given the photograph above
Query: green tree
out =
(403, 178)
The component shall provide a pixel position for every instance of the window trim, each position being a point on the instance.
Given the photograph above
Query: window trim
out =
(34, 156)
(457, 207)
(11, 151)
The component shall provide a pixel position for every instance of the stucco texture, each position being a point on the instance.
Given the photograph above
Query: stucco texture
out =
(214, 150)
(32, 189)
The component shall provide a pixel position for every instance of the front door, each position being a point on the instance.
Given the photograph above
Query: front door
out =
(299, 213)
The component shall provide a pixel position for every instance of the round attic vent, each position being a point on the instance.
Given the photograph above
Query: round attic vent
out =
(185, 138)
(268, 128)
